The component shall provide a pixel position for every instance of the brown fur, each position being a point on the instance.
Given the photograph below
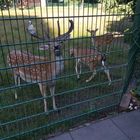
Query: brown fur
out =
(102, 40)
(36, 69)
(29, 68)
(91, 58)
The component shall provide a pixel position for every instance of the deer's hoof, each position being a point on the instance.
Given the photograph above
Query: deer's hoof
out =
(59, 111)
(109, 83)
(78, 78)
(46, 112)
(15, 96)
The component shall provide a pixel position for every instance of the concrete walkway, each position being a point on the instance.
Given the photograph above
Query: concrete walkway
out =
(125, 126)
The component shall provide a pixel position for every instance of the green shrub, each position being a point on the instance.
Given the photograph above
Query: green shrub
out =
(128, 35)
(5, 3)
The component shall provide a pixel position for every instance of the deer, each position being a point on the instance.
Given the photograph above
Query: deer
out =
(90, 58)
(40, 69)
(101, 41)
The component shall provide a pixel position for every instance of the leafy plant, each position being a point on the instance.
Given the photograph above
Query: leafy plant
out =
(4, 4)
(127, 6)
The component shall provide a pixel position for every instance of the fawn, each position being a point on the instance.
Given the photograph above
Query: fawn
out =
(91, 58)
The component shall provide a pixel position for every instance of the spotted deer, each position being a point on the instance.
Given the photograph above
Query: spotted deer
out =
(101, 41)
(41, 70)
(90, 58)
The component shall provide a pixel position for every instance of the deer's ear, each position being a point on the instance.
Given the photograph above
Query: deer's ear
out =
(88, 30)
(44, 47)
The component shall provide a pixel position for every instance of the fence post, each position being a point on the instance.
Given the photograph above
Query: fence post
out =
(135, 48)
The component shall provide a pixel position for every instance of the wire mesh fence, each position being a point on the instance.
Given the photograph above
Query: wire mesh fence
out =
(132, 77)
(61, 63)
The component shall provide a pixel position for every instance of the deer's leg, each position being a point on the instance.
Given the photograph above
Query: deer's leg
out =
(107, 50)
(80, 66)
(52, 91)
(17, 82)
(43, 92)
(108, 75)
(76, 68)
(92, 76)
(106, 70)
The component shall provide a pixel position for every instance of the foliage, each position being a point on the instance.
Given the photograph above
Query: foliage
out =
(128, 35)
(127, 6)
(4, 4)
(81, 2)
(109, 4)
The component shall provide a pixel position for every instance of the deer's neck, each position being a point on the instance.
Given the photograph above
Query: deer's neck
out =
(59, 64)
(92, 39)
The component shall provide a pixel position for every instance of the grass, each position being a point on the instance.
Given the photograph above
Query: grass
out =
(85, 18)
(73, 92)
(73, 97)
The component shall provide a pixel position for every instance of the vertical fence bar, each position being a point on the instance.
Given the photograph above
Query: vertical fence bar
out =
(77, 100)
(135, 48)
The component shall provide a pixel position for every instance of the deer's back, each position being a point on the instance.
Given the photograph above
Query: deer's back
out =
(29, 67)
(103, 39)
(17, 58)
(87, 55)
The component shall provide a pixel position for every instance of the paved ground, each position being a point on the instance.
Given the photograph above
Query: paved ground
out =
(126, 126)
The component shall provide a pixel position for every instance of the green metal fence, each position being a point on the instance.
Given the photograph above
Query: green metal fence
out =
(133, 59)
(38, 60)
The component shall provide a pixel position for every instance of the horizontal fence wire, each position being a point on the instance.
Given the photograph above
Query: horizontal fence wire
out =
(58, 94)
(67, 106)
(60, 121)
(27, 18)
(45, 87)
(62, 77)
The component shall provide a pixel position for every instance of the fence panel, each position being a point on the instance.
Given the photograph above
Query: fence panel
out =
(34, 51)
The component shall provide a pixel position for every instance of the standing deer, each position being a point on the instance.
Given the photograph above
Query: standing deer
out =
(41, 70)
(91, 58)
(102, 40)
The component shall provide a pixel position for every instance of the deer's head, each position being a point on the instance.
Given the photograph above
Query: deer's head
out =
(54, 43)
(92, 32)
